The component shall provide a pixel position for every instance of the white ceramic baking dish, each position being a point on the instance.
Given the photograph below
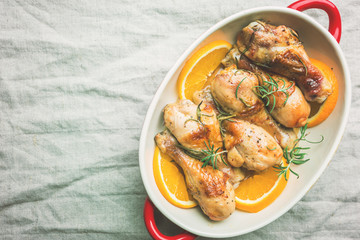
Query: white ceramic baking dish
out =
(319, 44)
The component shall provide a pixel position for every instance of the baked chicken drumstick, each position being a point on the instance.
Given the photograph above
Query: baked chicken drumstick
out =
(209, 186)
(279, 48)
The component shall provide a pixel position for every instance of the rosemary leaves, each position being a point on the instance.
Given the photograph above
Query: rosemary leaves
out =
(222, 116)
(267, 89)
(208, 156)
(295, 155)
(198, 115)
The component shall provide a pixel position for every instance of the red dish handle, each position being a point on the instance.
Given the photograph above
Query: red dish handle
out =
(154, 231)
(328, 7)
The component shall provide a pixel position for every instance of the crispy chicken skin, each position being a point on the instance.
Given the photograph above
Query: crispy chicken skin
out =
(250, 146)
(210, 187)
(194, 134)
(278, 48)
(293, 112)
(246, 105)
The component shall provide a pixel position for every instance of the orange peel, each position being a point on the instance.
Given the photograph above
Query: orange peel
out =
(170, 180)
(200, 66)
(260, 190)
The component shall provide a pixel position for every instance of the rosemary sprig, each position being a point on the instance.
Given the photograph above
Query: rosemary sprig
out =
(261, 64)
(236, 94)
(246, 49)
(237, 88)
(295, 155)
(242, 70)
(294, 33)
(198, 115)
(208, 156)
(272, 149)
(267, 89)
(222, 116)
(192, 119)
(243, 101)
(261, 23)
(306, 70)
(198, 111)
(222, 112)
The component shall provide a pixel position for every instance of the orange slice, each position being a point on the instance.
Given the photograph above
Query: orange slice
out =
(170, 180)
(259, 191)
(200, 66)
(321, 112)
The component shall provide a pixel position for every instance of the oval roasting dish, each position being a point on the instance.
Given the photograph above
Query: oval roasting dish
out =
(319, 44)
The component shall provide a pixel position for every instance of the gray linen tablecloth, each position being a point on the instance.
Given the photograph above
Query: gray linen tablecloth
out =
(76, 79)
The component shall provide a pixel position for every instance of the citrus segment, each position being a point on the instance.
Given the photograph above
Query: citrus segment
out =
(200, 66)
(170, 180)
(260, 190)
(321, 112)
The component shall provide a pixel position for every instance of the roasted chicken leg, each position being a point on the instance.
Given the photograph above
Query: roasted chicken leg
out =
(210, 187)
(279, 48)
